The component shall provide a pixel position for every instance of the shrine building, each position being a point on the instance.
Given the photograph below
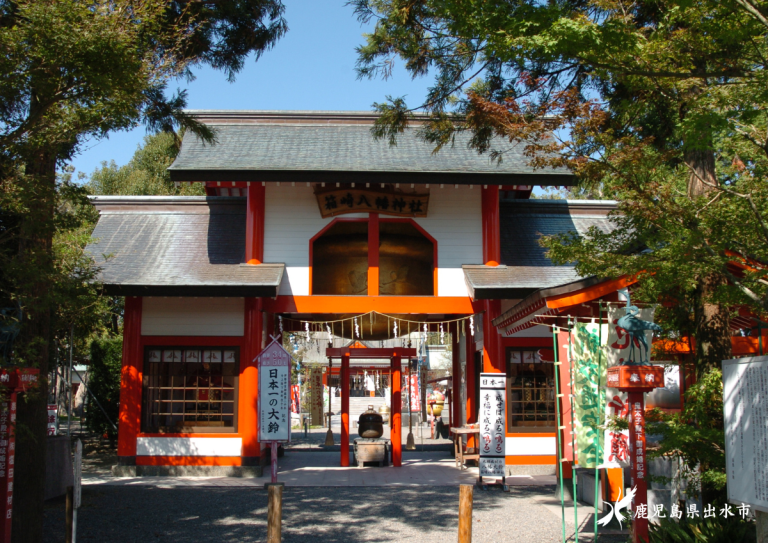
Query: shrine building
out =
(308, 219)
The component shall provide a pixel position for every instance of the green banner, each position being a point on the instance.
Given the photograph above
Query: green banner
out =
(588, 378)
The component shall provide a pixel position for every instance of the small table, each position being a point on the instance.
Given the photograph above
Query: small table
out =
(458, 445)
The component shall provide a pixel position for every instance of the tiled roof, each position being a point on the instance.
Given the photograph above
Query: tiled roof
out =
(525, 267)
(294, 146)
(177, 246)
(523, 222)
(513, 282)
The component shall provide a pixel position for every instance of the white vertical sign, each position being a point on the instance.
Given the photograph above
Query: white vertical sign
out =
(745, 404)
(493, 388)
(274, 393)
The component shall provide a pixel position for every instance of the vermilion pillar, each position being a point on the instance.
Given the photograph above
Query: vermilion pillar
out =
(456, 378)
(493, 356)
(639, 468)
(247, 420)
(254, 224)
(397, 403)
(344, 410)
(491, 228)
(373, 255)
(471, 406)
(130, 382)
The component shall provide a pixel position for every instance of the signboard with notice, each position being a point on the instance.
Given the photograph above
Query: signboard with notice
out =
(745, 396)
(274, 365)
(492, 424)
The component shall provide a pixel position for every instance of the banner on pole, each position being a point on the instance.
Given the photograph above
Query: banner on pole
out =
(274, 365)
(316, 394)
(587, 368)
(415, 394)
(618, 349)
(493, 388)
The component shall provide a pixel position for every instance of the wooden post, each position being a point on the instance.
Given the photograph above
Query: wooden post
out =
(329, 434)
(344, 384)
(274, 512)
(273, 462)
(762, 526)
(70, 509)
(465, 514)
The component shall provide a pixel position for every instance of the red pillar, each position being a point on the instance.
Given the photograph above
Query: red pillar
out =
(639, 467)
(397, 403)
(491, 228)
(130, 382)
(456, 379)
(247, 417)
(471, 400)
(254, 224)
(373, 255)
(493, 357)
(345, 410)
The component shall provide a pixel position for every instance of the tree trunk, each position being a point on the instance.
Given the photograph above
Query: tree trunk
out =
(32, 348)
(713, 335)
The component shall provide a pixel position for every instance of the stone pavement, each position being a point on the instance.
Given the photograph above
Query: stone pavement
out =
(315, 437)
(299, 468)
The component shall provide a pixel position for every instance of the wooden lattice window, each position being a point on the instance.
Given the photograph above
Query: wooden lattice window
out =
(530, 391)
(190, 389)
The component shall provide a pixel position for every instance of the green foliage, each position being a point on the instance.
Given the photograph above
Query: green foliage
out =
(104, 383)
(717, 529)
(696, 436)
(146, 174)
(660, 105)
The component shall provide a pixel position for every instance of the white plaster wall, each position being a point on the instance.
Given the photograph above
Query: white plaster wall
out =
(454, 220)
(531, 446)
(192, 316)
(188, 446)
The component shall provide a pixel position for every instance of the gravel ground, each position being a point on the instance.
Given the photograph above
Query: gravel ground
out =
(145, 513)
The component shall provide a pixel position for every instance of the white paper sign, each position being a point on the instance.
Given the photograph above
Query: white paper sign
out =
(493, 387)
(745, 399)
(274, 394)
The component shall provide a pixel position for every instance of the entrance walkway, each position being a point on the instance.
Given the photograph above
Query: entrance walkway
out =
(322, 469)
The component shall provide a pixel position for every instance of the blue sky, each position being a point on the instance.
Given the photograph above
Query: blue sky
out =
(311, 68)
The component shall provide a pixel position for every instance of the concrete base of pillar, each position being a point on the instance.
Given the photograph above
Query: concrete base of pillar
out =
(187, 471)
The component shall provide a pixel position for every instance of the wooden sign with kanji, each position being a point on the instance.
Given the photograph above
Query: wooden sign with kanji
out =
(274, 364)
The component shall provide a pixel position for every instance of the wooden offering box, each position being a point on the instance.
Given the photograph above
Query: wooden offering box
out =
(636, 378)
(372, 450)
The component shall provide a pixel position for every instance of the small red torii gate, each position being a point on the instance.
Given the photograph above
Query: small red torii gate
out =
(395, 355)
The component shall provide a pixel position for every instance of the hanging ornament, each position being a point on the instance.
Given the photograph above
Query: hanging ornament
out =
(370, 317)
(306, 328)
(280, 323)
(442, 334)
(472, 326)
(328, 329)
(463, 328)
(426, 328)
(395, 329)
(357, 329)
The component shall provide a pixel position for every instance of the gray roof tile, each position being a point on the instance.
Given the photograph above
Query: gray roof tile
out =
(311, 147)
(177, 246)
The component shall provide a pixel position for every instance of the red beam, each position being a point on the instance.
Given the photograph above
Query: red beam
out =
(254, 224)
(491, 226)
